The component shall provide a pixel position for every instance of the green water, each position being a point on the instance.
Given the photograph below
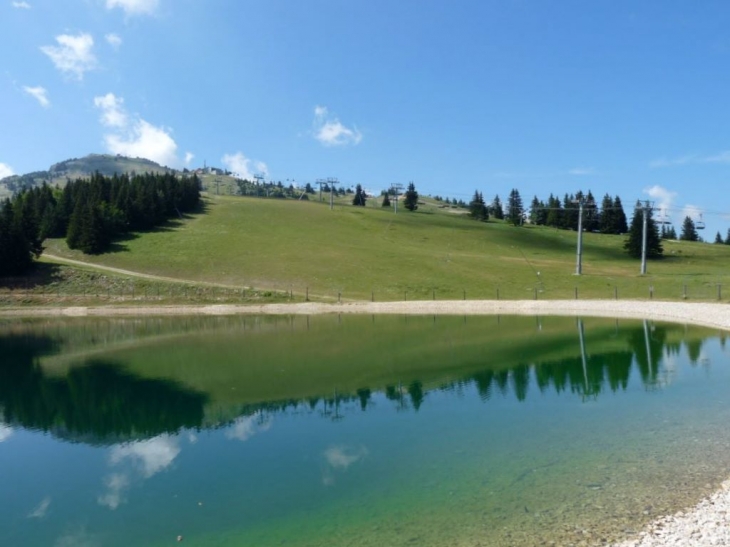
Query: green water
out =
(355, 430)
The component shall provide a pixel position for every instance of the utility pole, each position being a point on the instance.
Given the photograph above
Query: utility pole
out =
(321, 182)
(218, 186)
(259, 180)
(332, 181)
(643, 236)
(579, 258)
(396, 188)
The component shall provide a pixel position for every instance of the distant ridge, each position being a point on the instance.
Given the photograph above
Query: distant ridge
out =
(106, 164)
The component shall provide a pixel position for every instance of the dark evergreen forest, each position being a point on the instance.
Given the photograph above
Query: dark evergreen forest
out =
(89, 213)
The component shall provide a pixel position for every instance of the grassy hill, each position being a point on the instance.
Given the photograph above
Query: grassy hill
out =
(369, 252)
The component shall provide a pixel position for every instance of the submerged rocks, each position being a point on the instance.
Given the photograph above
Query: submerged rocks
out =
(705, 525)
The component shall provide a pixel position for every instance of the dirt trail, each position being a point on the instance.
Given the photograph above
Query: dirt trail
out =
(56, 258)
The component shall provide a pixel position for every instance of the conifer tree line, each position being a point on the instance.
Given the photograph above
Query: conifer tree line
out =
(557, 213)
(89, 213)
(609, 219)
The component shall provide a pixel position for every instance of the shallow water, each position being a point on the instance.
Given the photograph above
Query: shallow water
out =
(355, 430)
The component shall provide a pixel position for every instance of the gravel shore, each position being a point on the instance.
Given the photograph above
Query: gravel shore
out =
(705, 524)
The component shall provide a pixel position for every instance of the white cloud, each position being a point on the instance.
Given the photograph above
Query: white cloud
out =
(5, 171)
(720, 157)
(78, 537)
(582, 171)
(663, 197)
(112, 110)
(152, 456)
(189, 157)
(241, 166)
(145, 140)
(134, 7)
(40, 511)
(39, 93)
(339, 459)
(667, 162)
(21, 5)
(330, 131)
(135, 137)
(246, 427)
(117, 485)
(113, 40)
(73, 54)
(144, 458)
(5, 431)
(342, 457)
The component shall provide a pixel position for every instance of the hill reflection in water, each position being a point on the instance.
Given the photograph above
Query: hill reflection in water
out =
(104, 397)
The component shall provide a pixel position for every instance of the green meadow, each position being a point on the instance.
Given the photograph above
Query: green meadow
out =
(363, 253)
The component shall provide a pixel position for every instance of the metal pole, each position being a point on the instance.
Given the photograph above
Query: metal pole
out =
(648, 347)
(578, 264)
(581, 337)
(643, 239)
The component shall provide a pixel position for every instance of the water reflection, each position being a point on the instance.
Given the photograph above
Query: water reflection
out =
(647, 353)
(101, 400)
(134, 462)
(98, 403)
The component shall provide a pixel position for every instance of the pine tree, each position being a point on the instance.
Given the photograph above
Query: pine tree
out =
(718, 239)
(727, 237)
(410, 198)
(608, 216)
(16, 255)
(620, 224)
(570, 216)
(555, 212)
(477, 207)
(538, 214)
(386, 200)
(496, 208)
(689, 232)
(514, 208)
(591, 218)
(633, 243)
(360, 197)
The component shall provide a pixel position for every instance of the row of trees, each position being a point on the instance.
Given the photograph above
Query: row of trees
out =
(610, 219)
(89, 213)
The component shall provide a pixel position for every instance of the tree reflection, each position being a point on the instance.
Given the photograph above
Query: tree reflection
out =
(585, 374)
(101, 402)
(96, 403)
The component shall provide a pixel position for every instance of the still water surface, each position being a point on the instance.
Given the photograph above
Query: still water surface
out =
(355, 430)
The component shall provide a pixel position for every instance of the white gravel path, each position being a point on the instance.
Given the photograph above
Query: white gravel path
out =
(706, 524)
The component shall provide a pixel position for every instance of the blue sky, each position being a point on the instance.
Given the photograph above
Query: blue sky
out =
(620, 97)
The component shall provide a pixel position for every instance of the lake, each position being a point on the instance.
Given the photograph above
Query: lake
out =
(355, 430)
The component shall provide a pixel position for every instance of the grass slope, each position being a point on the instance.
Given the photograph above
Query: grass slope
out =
(360, 252)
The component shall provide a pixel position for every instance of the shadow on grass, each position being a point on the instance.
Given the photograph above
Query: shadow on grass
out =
(170, 225)
(42, 274)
